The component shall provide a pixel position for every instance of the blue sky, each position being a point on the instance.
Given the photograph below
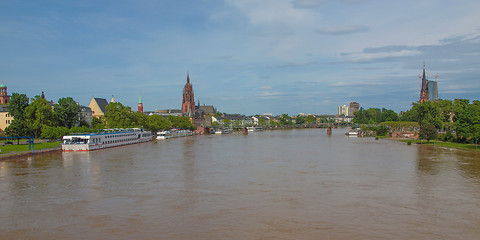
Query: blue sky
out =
(243, 56)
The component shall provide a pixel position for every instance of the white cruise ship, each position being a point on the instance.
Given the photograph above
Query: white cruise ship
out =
(104, 139)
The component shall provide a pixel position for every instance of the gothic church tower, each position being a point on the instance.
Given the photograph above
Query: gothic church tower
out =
(424, 90)
(188, 104)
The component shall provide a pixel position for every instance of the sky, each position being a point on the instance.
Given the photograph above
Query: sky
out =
(243, 56)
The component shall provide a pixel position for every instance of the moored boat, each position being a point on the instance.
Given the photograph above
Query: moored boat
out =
(173, 133)
(227, 131)
(106, 138)
(255, 129)
(163, 135)
(352, 132)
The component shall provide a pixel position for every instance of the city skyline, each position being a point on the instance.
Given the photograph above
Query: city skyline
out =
(248, 57)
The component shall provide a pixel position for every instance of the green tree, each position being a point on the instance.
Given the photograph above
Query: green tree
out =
(49, 132)
(181, 122)
(459, 106)
(273, 122)
(428, 131)
(468, 122)
(446, 109)
(16, 108)
(369, 116)
(285, 119)
(140, 119)
(155, 123)
(81, 129)
(119, 116)
(262, 121)
(409, 116)
(17, 128)
(227, 122)
(98, 123)
(428, 113)
(67, 111)
(39, 114)
(388, 116)
(299, 120)
(310, 119)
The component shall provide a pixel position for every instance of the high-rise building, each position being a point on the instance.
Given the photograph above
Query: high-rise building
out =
(188, 104)
(342, 110)
(354, 106)
(432, 90)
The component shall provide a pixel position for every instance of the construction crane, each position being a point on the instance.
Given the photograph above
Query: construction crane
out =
(436, 76)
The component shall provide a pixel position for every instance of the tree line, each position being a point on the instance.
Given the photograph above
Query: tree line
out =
(39, 118)
(457, 120)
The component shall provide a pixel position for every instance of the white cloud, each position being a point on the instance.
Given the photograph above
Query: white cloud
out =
(359, 57)
(341, 30)
(272, 12)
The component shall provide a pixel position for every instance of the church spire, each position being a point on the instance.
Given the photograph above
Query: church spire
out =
(188, 103)
(424, 95)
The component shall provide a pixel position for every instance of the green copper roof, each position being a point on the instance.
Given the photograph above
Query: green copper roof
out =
(3, 85)
(140, 99)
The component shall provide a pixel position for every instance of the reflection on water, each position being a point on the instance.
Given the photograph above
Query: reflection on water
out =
(293, 184)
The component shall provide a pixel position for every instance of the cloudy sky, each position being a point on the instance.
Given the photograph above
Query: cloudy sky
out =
(243, 56)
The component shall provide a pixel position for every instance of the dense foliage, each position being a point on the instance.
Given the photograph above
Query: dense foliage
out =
(41, 119)
(67, 111)
(428, 131)
(374, 116)
(457, 120)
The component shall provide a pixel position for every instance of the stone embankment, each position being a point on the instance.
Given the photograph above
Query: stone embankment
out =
(12, 155)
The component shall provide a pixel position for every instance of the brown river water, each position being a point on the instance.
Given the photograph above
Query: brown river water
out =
(288, 184)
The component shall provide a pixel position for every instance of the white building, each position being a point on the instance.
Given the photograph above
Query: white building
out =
(342, 110)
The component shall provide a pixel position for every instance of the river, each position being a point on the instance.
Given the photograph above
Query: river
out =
(285, 184)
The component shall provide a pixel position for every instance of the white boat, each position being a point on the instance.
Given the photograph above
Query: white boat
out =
(227, 131)
(352, 132)
(163, 135)
(181, 133)
(255, 129)
(104, 139)
(173, 133)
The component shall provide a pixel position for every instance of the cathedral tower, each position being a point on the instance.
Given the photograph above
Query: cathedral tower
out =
(188, 104)
(424, 90)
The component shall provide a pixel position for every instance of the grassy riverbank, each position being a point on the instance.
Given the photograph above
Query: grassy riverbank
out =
(7, 149)
(446, 144)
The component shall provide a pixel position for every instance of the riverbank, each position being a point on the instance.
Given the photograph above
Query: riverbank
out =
(444, 144)
(21, 150)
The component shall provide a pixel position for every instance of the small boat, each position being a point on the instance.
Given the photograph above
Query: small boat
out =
(255, 129)
(163, 135)
(218, 131)
(352, 132)
(174, 133)
(227, 131)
